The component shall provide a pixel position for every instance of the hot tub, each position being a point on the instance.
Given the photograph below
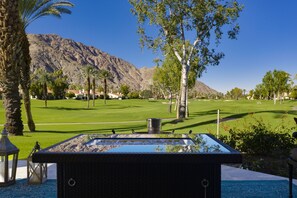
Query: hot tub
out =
(139, 165)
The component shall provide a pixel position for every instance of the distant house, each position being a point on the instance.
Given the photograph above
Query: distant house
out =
(114, 95)
(76, 92)
(82, 94)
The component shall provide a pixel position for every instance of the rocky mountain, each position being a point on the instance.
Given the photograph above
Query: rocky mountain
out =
(53, 52)
(200, 87)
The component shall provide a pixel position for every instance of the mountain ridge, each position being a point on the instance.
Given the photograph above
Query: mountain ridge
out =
(52, 52)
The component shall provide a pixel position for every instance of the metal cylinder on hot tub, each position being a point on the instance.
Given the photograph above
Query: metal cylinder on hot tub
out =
(154, 125)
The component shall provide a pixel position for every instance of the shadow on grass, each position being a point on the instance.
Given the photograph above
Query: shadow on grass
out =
(214, 112)
(278, 114)
(67, 108)
(92, 131)
(123, 107)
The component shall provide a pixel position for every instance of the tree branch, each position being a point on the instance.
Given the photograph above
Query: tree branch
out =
(192, 49)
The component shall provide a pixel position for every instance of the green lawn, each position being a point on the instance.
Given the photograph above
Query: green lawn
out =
(63, 119)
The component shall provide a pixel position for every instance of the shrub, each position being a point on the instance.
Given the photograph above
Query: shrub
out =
(133, 95)
(101, 96)
(70, 95)
(258, 138)
(264, 148)
(146, 94)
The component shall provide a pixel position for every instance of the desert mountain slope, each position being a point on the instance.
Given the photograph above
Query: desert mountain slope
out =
(53, 52)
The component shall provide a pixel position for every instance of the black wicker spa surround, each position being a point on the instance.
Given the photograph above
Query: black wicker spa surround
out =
(139, 165)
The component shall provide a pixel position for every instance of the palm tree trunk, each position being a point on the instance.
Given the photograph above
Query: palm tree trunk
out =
(105, 87)
(88, 90)
(94, 87)
(25, 81)
(27, 104)
(12, 104)
(10, 56)
(45, 93)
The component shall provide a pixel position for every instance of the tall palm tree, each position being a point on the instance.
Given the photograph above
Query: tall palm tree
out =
(88, 72)
(10, 59)
(30, 10)
(95, 76)
(45, 79)
(104, 74)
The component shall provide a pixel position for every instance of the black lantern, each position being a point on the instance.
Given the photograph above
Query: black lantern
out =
(36, 172)
(8, 160)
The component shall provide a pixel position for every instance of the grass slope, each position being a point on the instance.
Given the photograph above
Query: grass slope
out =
(63, 119)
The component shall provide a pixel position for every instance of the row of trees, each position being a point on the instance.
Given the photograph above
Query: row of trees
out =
(275, 84)
(57, 83)
(92, 74)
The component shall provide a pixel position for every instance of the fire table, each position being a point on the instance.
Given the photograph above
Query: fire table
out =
(139, 165)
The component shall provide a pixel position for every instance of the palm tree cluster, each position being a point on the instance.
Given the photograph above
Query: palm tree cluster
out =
(95, 73)
(15, 55)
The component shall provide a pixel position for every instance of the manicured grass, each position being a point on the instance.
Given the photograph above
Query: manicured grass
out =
(63, 119)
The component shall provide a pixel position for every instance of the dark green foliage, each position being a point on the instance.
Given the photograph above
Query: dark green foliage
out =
(133, 95)
(294, 92)
(260, 139)
(70, 95)
(146, 94)
(101, 96)
(59, 84)
(36, 89)
(125, 89)
(265, 149)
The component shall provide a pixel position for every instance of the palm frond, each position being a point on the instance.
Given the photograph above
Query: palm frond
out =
(30, 10)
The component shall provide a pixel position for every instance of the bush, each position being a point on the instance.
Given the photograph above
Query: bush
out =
(101, 96)
(259, 138)
(70, 95)
(146, 94)
(264, 148)
(293, 94)
(133, 95)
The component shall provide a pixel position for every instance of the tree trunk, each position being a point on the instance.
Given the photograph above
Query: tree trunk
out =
(105, 87)
(187, 104)
(45, 93)
(274, 98)
(170, 102)
(27, 104)
(25, 81)
(176, 103)
(279, 97)
(183, 92)
(177, 106)
(88, 91)
(10, 63)
(94, 87)
(12, 104)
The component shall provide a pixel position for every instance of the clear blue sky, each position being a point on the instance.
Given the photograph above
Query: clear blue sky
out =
(267, 39)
